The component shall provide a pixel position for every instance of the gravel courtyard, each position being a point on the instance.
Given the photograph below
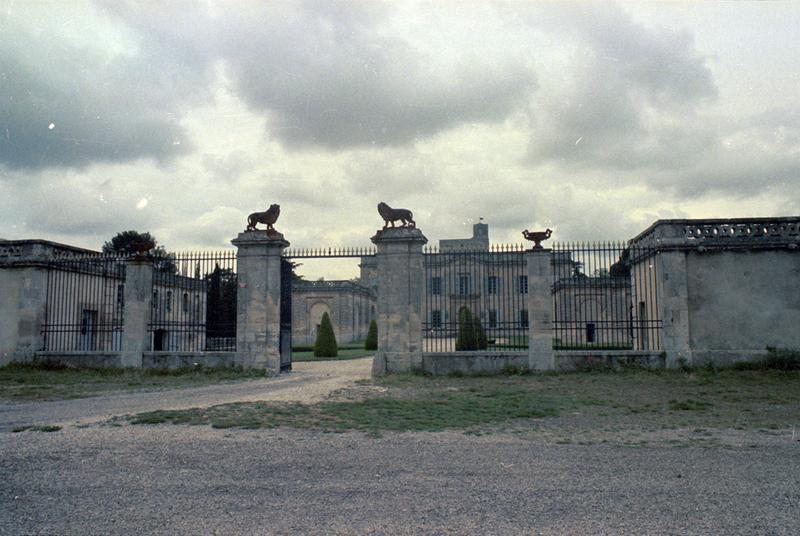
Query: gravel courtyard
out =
(93, 477)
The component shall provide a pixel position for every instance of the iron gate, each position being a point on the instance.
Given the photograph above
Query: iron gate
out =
(286, 315)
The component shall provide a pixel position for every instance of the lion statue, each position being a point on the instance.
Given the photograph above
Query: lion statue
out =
(537, 237)
(391, 215)
(268, 217)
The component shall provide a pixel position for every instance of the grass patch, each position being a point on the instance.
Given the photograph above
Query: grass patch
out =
(777, 359)
(345, 352)
(439, 411)
(689, 405)
(589, 406)
(45, 428)
(55, 382)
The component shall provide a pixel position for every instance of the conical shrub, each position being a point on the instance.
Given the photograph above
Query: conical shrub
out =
(325, 345)
(466, 331)
(372, 337)
(480, 334)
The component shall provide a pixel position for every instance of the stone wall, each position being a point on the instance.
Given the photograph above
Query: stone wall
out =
(10, 287)
(473, 363)
(150, 360)
(742, 301)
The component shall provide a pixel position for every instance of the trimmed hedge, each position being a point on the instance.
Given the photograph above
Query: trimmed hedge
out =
(325, 345)
(372, 337)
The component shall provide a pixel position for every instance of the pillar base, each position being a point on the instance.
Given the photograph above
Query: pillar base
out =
(258, 299)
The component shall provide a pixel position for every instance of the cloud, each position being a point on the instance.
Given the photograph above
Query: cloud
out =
(337, 76)
(69, 100)
(631, 95)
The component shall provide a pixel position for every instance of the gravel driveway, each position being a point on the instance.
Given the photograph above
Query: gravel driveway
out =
(198, 480)
(308, 382)
(175, 480)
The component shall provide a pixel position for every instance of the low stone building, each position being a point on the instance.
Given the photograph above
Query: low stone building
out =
(726, 288)
(349, 304)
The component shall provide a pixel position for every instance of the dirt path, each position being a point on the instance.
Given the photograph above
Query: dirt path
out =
(308, 382)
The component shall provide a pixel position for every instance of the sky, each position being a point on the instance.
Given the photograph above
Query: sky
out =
(591, 118)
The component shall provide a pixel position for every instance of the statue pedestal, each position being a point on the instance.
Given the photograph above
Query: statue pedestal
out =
(258, 298)
(401, 286)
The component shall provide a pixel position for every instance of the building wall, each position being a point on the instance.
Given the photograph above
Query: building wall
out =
(601, 302)
(10, 286)
(478, 242)
(182, 327)
(350, 309)
(740, 302)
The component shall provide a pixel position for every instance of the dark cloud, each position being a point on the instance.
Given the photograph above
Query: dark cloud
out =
(68, 105)
(630, 86)
(329, 74)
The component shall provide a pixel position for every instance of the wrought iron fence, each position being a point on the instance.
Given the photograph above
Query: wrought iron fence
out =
(605, 297)
(194, 302)
(85, 299)
(475, 300)
(322, 253)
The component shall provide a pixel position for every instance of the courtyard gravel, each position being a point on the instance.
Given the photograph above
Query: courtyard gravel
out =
(97, 476)
(198, 480)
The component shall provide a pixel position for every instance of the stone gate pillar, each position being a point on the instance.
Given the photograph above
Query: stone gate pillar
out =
(540, 310)
(401, 283)
(258, 318)
(137, 310)
(673, 301)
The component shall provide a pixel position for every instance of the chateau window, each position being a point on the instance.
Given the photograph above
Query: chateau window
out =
(121, 295)
(185, 305)
(523, 318)
(523, 284)
(436, 319)
(169, 301)
(155, 299)
(493, 318)
(491, 285)
(436, 285)
(463, 284)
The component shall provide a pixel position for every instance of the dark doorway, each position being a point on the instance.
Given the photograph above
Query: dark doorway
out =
(159, 340)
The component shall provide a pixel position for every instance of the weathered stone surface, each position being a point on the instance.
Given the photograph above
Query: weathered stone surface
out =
(400, 292)
(258, 299)
(540, 310)
(673, 301)
(137, 311)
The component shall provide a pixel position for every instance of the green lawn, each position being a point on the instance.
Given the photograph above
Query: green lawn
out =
(30, 382)
(586, 404)
(346, 351)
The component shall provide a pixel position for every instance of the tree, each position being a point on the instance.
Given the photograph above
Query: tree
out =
(295, 275)
(325, 345)
(221, 303)
(466, 331)
(622, 268)
(480, 335)
(372, 337)
(136, 243)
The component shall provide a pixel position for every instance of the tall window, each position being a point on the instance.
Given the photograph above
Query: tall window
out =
(523, 284)
(590, 332)
(155, 299)
(169, 301)
(436, 319)
(491, 285)
(463, 284)
(523, 318)
(492, 318)
(436, 285)
(121, 295)
(185, 305)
